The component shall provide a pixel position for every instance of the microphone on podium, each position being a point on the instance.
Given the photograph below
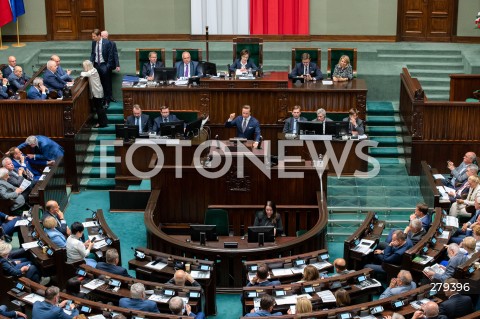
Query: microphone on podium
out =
(259, 146)
(217, 141)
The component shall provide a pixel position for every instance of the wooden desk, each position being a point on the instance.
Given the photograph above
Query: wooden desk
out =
(270, 97)
(428, 187)
(53, 187)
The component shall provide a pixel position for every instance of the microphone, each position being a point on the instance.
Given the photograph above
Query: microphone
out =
(91, 210)
(217, 141)
(259, 146)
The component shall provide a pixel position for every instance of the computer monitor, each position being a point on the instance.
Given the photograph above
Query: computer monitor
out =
(171, 129)
(193, 128)
(208, 68)
(165, 74)
(132, 131)
(310, 128)
(256, 232)
(337, 128)
(209, 232)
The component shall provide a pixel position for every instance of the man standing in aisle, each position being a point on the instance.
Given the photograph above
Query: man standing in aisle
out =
(103, 60)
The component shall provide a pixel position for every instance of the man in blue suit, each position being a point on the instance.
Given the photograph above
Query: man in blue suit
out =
(50, 308)
(140, 119)
(137, 300)
(23, 163)
(37, 91)
(186, 68)
(291, 124)
(307, 69)
(104, 35)
(17, 79)
(165, 117)
(261, 277)
(456, 305)
(467, 227)
(51, 79)
(12, 63)
(3, 87)
(64, 75)
(148, 68)
(247, 126)
(392, 254)
(11, 313)
(43, 147)
(178, 307)
(104, 61)
(111, 264)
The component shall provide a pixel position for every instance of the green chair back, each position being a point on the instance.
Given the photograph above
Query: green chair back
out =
(195, 54)
(310, 116)
(141, 55)
(300, 232)
(218, 217)
(334, 55)
(254, 47)
(315, 55)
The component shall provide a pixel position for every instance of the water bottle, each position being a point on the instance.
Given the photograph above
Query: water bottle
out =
(320, 159)
(250, 72)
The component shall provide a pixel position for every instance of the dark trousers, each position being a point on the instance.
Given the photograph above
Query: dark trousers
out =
(101, 113)
(106, 79)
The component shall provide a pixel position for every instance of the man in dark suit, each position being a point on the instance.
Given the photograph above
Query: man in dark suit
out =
(43, 148)
(307, 69)
(355, 124)
(456, 305)
(64, 75)
(148, 68)
(165, 117)
(247, 126)
(12, 63)
(16, 177)
(186, 68)
(140, 119)
(392, 254)
(137, 300)
(17, 79)
(51, 79)
(261, 277)
(177, 306)
(429, 311)
(3, 87)
(37, 91)
(104, 35)
(104, 61)
(23, 164)
(291, 124)
(51, 307)
(52, 209)
(111, 264)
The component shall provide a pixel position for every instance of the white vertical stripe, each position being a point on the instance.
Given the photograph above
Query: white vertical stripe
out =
(221, 16)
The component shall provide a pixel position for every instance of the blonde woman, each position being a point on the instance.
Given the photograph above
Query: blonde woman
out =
(343, 70)
(303, 306)
(96, 92)
(310, 273)
(459, 208)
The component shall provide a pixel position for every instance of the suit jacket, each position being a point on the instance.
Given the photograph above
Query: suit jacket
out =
(158, 120)
(114, 269)
(187, 283)
(3, 92)
(115, 54)
(52, 81)
(145, 120)
(393, 255)
(138, 304)
(62, 74)
(7, 191)
(360, 129)
(415, 238)
(455, 261)
(5, 312)
(7, 71)
(252, 132)
(17, 82)
(57, 237)
(262, 313)
(459, 174)
(45, 310)
(397, 290)
(238, 65)
(107, 53)
(474, 217)
(35, 94)
(266, 283)
(288, 127)
(46, 150)
(456, 306)
(313, 70)
(147, 68)
(262, 220)
(192, 67)
(28, 162)
(14, 178)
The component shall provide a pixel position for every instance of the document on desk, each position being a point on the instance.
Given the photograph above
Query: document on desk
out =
(321, 265)
(157, 266)
(29, 245)
(92, 223)
(327, 82)
(32, 298)
(364, 246)
(438, 176)
(286, 300)
(299, 269)
(326, 296)
(422, 260)
(277, 272)
(94, 284)
(452, 221)
(25, 184)
(159, 298)
(100, 316)
(99, 244)
(444, 235)
(46, 169)
(196, 274)
(21, 222)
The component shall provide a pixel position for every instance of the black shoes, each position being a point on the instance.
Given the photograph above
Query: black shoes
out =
(113, 100)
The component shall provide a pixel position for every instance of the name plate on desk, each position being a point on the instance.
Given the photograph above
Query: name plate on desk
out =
(316, 137)
(230, 244)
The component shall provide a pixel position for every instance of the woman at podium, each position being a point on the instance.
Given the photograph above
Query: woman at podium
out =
(269, 217)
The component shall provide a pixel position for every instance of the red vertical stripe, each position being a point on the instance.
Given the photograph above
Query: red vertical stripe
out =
(279, 17)
(5, 12)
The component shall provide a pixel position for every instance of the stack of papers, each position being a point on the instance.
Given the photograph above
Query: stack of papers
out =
(94, 284)
(327, 82)
(326, 296)
(277, 272)
(29, 245)
(92, 223)
(422, 260)
(451, 221)
(444, 235)
(181, 82)
(157, 266)
(438, 176)
(196, 274)
(321, 265)
(33, 298)
(435, 268)
(159, 298)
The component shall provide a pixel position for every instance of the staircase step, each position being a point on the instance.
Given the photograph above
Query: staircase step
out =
(438, 96)
(435, 66)
(383, 130)
(385, 151)
(380, 108)
(427, 53)
(115, 108)
(390, 160)
(435, 88)
(98, 138)
(375, 120)
(445, 72)
(96, 150)
(110, 129)
(387, 140)
(94, 172)
(95, 161)
(115, 119)
(412, 57)
(98, 183)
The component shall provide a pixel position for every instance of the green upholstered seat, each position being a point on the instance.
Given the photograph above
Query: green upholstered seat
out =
(218, 217)
(254, 47)
(334, 55)
(141, 57)
(195, 54)
(315, 56)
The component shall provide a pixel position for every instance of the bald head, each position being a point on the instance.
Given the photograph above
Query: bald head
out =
(340, 264)
(179, 277)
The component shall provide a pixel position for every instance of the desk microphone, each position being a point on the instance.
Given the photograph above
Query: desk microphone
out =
(94, 212)
(259, 146)
(217, 141)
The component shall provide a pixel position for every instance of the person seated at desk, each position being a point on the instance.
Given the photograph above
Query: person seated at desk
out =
(291, 124)
(20, 267)
(343, 70)
(3, 87)
(309, 70)
(49, 224)
(53, 210)
(467, 227)
(77, 250)
(269, 217)
(321, 116)
(51, 79)
(428, 311)
(459, 208)
(340, 266)
(462, 190)
(73, 288)
(356, 125)
(456, 305)
(342, 298)
(12, 63)
(17, 79)
(310, 273)
(456, 259)
(267, 303)
(459, 174)
(38, 91)
(261, 277)
(401, 284)
(468, 246)
(180, 278)
(9, 191)
(111, 264)
(137, 300)
(18, 177)
(140, 119)
(186, 68)
(244, 63)
(392, 254)
(303, 305)
(8, 222)
(247, 126)
(178, 307)
(64, 75)
(23, 164)
(165, 117)
(11, 313)
(51, 307)
(148, 68)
